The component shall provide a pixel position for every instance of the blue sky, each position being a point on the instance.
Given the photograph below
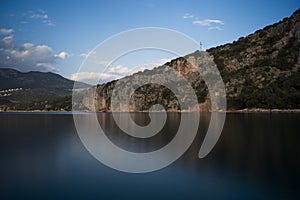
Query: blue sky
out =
(59, 33)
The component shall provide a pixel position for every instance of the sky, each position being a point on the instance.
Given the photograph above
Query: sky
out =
(56, 36)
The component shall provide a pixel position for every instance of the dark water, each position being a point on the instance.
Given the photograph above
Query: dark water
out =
(256, 157)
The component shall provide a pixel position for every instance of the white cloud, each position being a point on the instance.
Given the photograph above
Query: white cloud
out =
(124, 71)
(187, 16)
(93, 77)
(62, 55)
(208, 22)
(114, 72)
(212, 24)
(42, 50)
(39, 16)
(8, 39)
(46, 66)
(119, 70)
(28, 45)
(215, 28)
(27, 56)
(5, 31)
(39, 52)
(18, 54)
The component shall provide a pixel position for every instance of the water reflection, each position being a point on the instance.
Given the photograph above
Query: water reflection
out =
(257, 156)
(134, 144)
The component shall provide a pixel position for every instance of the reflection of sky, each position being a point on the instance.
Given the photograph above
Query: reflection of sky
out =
(255, 159)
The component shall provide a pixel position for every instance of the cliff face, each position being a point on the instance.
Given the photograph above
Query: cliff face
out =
(260, 70)
(149, 94)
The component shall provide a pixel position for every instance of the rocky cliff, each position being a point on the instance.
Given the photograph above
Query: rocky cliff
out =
(259, 71)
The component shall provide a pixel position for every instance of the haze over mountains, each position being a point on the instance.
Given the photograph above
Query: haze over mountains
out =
(259, 71)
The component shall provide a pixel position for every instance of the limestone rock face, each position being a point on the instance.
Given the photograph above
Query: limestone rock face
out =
(259, 71)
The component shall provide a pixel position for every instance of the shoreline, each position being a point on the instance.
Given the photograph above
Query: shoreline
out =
(262, 110)
(246, 110)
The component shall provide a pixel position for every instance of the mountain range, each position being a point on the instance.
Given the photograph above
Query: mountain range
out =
(261, 70)
(34, 90)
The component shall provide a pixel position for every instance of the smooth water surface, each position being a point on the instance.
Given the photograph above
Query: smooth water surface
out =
(256, 157)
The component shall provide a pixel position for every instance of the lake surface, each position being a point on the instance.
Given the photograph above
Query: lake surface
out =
(256, 157)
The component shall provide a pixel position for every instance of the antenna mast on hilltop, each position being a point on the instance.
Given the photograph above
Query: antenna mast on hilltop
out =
(200, 46)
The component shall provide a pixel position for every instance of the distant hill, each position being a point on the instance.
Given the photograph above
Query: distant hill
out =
(261, 70)
(11, 78)
(22, 87)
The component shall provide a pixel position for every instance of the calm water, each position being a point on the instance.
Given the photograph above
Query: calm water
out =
(257, 156)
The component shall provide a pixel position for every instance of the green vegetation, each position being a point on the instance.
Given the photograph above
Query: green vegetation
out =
(267, 72)
(57, 104)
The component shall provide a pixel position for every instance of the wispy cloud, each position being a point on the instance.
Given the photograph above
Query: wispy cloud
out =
(6, 31)
(8, 39)
(40, 15)
(48, 22)
(215, 28)
(211, 24)
(187, 16)
(85, 55)
(208, 22)
(88, 54)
